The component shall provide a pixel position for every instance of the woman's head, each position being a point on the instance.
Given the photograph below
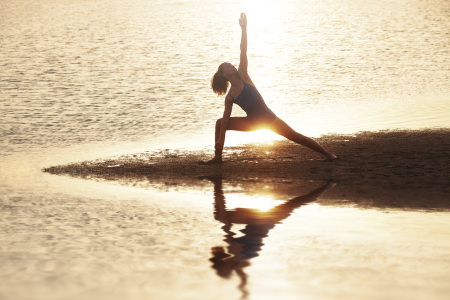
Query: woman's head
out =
(221, 78)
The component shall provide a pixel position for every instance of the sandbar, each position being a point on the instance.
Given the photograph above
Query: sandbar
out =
(397, 168)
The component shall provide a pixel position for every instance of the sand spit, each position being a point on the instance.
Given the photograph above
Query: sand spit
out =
(406, 169)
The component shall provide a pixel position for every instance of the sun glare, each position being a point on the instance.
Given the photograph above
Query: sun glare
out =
(260, 10)
(262, 203)
(261, 15)
(263, 136)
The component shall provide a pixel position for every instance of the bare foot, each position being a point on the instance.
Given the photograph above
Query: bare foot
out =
(331, 156)
(215, 160)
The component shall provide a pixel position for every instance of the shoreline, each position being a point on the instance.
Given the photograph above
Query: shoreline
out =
(385, 168)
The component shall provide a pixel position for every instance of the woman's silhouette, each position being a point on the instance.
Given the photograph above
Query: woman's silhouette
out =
(244, 93)
(258, 224)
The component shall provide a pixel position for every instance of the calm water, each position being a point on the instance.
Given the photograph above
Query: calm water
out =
(89, 79)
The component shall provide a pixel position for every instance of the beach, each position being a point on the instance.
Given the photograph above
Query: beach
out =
(407, 169)
(107, 110)
(279, 214)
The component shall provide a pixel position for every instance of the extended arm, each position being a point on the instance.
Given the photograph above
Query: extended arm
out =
(243, 65)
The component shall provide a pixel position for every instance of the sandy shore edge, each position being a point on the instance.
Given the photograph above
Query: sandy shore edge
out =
(375, 166)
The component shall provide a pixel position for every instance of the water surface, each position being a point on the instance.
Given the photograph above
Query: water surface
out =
(88, 79)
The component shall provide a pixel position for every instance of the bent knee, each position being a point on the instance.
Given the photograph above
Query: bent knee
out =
(219, 122)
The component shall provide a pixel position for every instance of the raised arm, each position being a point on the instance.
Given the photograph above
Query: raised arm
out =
(244, 61)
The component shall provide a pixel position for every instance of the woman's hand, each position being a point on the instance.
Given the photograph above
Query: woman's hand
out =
(243, 21)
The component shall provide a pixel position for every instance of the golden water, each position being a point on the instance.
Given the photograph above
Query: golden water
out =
(88, 79)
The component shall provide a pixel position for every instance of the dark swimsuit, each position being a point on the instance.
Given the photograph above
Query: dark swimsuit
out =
(251, 101)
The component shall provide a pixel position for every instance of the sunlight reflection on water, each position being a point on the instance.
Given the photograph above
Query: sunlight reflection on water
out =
(83, 76)
(88, 79)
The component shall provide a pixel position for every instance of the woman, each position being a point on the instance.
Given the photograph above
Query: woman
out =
(244, 93)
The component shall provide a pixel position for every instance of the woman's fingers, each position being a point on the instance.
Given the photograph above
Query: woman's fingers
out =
(243, 20)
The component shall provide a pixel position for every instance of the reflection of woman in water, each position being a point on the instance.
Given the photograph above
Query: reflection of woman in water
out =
(258, 225)
(244, 93)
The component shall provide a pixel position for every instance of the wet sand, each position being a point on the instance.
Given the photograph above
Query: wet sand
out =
(404, 169)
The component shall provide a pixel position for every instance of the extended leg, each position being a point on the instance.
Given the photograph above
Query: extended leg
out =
(280, 127)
